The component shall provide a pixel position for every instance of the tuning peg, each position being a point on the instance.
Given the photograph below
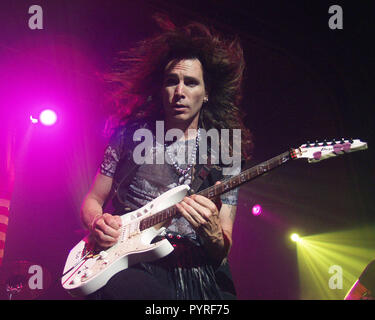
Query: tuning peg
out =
(351, 140)
(316, 143)
(333, 142)
(317, 155)
(342, 140)
(324, 142)
(307, 144)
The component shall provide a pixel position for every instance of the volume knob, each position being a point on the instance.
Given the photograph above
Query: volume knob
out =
(103, 254)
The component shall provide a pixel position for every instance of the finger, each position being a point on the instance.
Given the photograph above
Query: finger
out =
(186, 212)
(199, 209)
(112, 221)
(118, 220)
(189, 215)
(107, 230)
(104, 244)
(208, 205)
(103, 239)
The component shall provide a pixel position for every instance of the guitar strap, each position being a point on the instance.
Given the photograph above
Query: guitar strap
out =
(204, 174)
(201, 173)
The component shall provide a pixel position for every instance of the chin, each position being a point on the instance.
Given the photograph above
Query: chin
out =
(182, 117)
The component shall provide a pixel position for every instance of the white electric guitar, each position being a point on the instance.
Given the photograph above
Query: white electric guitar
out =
(87, 269)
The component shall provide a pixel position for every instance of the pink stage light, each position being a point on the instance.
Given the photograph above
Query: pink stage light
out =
(48, 117)
(257, 210)
(33, 120)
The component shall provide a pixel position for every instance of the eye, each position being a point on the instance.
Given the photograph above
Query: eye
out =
(191, 83)
(170, 82)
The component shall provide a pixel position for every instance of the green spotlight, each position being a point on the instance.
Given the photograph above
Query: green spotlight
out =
(330, 263)
(295, 237)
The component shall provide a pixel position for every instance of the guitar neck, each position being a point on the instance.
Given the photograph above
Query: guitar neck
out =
(245, 176)
(225, 186)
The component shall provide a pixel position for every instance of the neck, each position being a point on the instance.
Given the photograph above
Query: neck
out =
(189, 128)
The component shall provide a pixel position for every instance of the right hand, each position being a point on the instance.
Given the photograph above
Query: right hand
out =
(105, 230)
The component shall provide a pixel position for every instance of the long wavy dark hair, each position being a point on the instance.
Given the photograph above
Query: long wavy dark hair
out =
(137, 77)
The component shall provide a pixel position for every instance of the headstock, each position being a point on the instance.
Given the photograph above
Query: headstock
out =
(317, 151)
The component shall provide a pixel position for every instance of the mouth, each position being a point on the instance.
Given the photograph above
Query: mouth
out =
(179, 107)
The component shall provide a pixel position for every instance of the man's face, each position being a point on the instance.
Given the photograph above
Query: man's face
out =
(183, 90)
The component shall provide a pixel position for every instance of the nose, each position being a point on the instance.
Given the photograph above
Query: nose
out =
(179, 91)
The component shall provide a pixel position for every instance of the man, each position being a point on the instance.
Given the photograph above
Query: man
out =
(190, 79)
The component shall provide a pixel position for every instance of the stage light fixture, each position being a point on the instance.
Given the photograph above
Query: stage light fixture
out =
(256, 210)
(295, 237)
(48, 117)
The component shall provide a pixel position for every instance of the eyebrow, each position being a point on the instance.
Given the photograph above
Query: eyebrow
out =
(185, 77)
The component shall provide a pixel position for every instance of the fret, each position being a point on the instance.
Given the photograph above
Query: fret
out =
(143, 225)
(243, 176)
(158, 218)
(208, 193)
(171, 212)
(149, 222)
(205, 193)
(238, 179)
(219, 189)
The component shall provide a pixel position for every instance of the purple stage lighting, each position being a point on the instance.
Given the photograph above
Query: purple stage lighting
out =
(48, 117)
(257, 210)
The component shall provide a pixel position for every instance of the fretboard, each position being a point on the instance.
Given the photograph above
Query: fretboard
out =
(218, 189)
(245, 176)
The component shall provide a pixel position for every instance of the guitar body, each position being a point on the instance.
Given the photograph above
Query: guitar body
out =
(86, 271)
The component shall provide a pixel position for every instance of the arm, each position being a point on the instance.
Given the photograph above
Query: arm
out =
(227, 216)
(104, 227)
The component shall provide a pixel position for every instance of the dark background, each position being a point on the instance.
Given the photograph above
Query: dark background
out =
(303, 82)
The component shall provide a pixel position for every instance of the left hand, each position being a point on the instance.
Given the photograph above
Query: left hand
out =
(203, 215)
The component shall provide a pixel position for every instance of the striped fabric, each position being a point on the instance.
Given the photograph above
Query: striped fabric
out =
(4, 214)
